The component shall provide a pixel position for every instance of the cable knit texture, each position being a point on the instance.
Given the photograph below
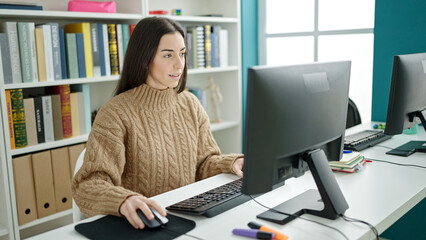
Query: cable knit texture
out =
(146, 141)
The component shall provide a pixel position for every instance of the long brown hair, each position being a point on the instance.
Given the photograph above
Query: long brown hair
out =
(141, 51)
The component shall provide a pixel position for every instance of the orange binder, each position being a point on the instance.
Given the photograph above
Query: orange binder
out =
(24, 189)
(43, 181)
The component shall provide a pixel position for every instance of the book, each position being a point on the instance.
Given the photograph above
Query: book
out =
(207, 46)
(65, 109)
(56, 53)
(119, 34)
(356, 168)
(10, 120)
(200, 94)
(223, 47)
(75, 114)
(126, 36)
(62, 50)
(21, 6)
(81, 113)
(95, 49)
(33, 51)
(113, 49)
(71, 54)
(85, 89)
(30, 121)
(41, 59)
(215, 51)
(106, 50)
(25, 51)
(100, 43)
(81, 60)
(10, 28)
(189, 55)
(58, 132)
(131, 28)
(18, 115)
(48, 55)
(84, 28)
(38, 112)
(48, 118)
(5, 59)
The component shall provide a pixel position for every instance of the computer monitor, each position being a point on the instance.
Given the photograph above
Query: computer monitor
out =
(295, 120)
(407, 100)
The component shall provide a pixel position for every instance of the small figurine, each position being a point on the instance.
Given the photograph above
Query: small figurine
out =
(215, 98)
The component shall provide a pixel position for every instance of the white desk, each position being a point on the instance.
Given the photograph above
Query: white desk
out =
(380, 194)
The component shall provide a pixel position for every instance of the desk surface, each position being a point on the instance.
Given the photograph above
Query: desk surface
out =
(380, 194)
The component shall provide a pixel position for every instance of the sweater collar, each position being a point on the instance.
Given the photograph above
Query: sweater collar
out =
(155, 99)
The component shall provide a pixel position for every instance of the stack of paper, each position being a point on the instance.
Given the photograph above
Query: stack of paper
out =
(350, 162)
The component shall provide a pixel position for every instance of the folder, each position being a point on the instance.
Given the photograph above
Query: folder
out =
(43, 181)
(61, 178)
(24, 189)
(74, 151)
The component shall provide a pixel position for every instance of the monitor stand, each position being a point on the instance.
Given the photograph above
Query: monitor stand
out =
(411, 147)
(328, 201)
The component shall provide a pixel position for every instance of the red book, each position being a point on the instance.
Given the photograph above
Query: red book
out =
(64, 92)
(131, 28)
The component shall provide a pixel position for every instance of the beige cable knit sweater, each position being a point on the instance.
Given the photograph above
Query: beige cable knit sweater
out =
(146, 141)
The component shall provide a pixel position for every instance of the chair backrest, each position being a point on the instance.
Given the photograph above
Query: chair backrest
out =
(77, 215)
(353, 117)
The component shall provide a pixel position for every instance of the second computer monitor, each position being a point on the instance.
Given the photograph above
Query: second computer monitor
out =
(292, 113)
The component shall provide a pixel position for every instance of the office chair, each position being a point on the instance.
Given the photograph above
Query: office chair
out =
(77, 215)
(353, 117)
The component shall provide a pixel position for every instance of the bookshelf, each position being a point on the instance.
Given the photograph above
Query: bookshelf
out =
(228, 133)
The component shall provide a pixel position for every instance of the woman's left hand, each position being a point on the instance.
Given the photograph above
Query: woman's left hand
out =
(237, 167)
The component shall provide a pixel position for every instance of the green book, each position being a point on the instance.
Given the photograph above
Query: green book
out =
(18, 116)
(71, 54)
(25, 51)
(126, 36)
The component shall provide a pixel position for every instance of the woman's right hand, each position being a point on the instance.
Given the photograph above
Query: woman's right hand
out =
(133, 203)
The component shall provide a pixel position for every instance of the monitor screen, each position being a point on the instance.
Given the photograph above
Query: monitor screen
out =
(295, 118)
(407, 98)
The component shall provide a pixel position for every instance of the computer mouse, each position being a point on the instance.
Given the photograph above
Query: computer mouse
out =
(156, 222)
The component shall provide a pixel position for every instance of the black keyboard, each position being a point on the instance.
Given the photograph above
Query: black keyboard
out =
(214, 201)
(364, 139)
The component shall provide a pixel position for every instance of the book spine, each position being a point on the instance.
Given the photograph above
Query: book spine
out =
(131, 28)
(20, 7)
(41, 60)
(113, 49)
(81, 113)
(80, 55)
(47, 33)
(5, 59)
(18, 114)
(62, 52)
(48, 118)
(30, 121)
(106, 49)
(25, 51)
(120, 45)
(189, 55)
(56, 53)
(71, 53)
(208, 46)
(12, 33)
(58, 132)
(95, 50)
(10, 120)
(223, 47)
(84, 29)
(126, 36)
(64, 91)
(215, 46)
(38, 111)
(74, 114)
(85, 89)
(100, 44)
(31, 27)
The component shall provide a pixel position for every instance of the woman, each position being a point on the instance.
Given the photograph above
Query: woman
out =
(152, 136)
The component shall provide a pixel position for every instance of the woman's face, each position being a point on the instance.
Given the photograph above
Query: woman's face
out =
(167, 67)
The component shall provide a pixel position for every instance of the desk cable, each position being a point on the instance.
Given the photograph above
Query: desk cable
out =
(179, 233)
(399, 164)
(349, 219)
(306, 219)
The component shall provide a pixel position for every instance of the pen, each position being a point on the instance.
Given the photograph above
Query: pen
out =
(347, 151)
(253, 233)
(278, 235)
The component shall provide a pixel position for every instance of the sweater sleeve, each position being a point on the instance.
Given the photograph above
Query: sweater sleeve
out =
(210, 161)
(96, 187)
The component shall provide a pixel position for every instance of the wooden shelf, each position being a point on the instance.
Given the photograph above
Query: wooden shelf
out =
(46, 219)
(50, 145)
(32, 14)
